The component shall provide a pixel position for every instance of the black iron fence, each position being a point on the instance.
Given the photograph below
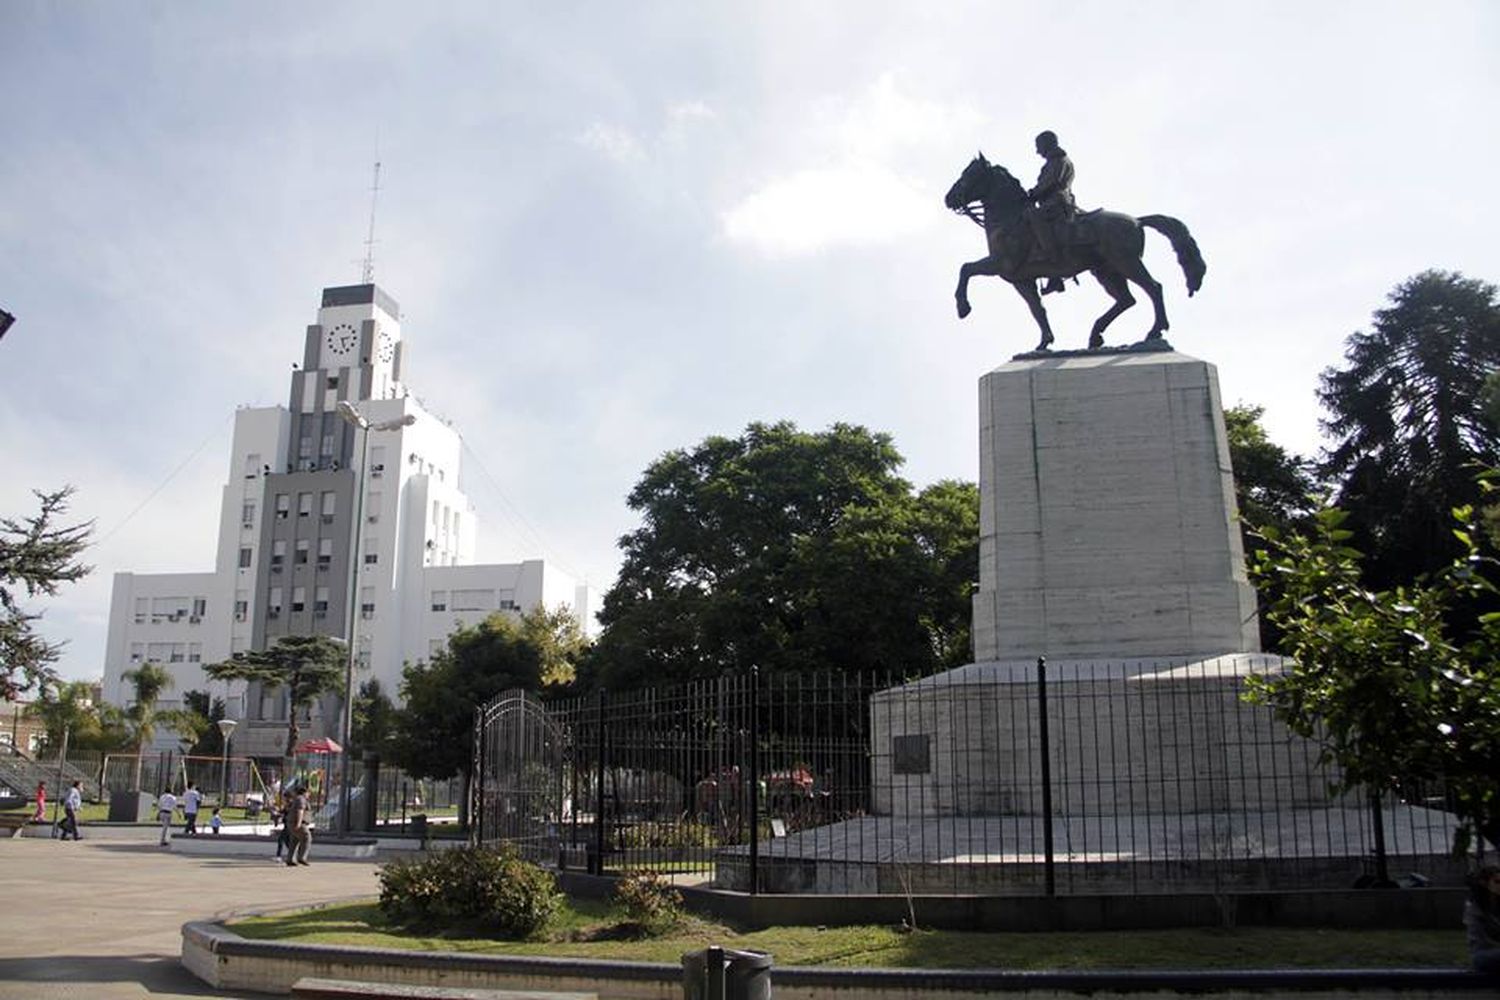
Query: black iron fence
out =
(993, 779)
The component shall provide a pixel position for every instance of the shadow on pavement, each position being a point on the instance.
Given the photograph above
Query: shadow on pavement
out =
(158, 974)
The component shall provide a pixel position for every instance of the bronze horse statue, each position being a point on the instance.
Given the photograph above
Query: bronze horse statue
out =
(1106, 244)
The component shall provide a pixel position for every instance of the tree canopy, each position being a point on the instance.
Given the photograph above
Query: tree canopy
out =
(36, 555)
(1400, 698)
(789, 550)
(307, 666)
(434, 732)
(1407, 415)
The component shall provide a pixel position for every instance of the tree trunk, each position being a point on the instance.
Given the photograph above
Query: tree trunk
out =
(463, 804)
(140, 753)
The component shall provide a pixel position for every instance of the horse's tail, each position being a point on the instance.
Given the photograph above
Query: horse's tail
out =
(1182, 242)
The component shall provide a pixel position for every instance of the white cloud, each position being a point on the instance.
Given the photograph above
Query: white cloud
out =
(812, 210)
(863, 146)
(614, 142)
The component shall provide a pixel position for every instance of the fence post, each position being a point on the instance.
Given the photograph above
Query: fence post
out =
(754, 779)
(1382, 868)
(597, 868)
(1049, 862)
(476, 794)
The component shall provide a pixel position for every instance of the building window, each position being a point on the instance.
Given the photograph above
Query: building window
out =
(244, 559)
(195, 652)
(367, 610)
(327, 446)
(320, 599)
(137, 652)
(301, 555)
(200, 607)
(330, 503)
(252, 465)
(440, 600)
(325, 551)
(304, 447)
(304, 504)
(371, 557)
(247, 515)
(333, 381)
(273, 606)
(299, 598)
(142, 606)
(473, 600)
(283, 504)
(278, 551)
(241, 610)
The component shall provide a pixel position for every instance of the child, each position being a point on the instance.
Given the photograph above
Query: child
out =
(214, 823)
(39, 815)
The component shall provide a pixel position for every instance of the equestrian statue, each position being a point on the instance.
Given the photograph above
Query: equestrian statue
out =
(1040, 234)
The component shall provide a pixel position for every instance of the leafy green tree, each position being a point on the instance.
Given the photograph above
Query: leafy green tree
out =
(36, 555)
(558, 638)
(1407, 416)
(205, 711)
(307, 666)
(69, 707)
(375, 718)
(148, 682)
(435, 726)
(788, 550)
(1379, 677)
(1272, 487)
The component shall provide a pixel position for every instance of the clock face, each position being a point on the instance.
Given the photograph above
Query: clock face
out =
(341, 339)
(385, 347)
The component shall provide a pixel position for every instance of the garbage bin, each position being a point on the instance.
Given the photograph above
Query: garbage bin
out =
(419, 826)
(726, 974)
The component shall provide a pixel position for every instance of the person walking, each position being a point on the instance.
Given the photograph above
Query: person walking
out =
(166, 805)
(72, 806)
(299, 827)
(190, 800)
(39, 814)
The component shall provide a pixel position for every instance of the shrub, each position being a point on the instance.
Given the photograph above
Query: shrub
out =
(650, 903)
(489, 889)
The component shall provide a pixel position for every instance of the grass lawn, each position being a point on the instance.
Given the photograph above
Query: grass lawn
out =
(588, 930)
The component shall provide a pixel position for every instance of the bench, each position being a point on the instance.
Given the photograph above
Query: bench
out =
(11, 824)
(312, 988)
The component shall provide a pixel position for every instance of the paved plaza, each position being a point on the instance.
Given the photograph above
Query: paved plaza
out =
(102, 918)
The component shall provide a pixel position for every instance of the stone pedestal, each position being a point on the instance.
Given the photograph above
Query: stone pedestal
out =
(1107, 522)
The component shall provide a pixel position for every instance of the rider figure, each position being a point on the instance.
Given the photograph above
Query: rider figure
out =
(1053, 196)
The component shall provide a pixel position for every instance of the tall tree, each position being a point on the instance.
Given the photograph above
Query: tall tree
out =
(205, 711)
(148, 682)
(1407, 416)
(788, 550)
(435, 728)
(1273, 489)
(373, 726)
(36, 555)
(306, 666)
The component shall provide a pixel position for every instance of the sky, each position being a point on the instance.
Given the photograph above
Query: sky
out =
(617, 229)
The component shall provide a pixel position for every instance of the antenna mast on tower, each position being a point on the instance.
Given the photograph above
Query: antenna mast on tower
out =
(367, 276)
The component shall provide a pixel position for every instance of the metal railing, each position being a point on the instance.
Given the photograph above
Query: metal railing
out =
(1128, 777)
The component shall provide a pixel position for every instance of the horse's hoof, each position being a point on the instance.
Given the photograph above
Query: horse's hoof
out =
(1096, 342)
(1045, 344)
(963, 310)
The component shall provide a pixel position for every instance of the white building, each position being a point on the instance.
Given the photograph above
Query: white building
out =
(322, 522)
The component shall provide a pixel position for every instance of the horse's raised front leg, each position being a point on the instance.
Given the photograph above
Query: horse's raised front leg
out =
(1027, 291)
(986, 267)
(1114, 283)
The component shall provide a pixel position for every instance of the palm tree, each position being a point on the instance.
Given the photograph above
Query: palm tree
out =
(1408, 417)
(149, 681)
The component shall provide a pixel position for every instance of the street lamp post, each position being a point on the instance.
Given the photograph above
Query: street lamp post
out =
(354, 418)
(226, 728)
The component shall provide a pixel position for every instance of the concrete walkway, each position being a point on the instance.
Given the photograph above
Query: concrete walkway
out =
(102, 918)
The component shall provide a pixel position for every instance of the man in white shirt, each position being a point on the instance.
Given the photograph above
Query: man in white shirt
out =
(166, 804)
(190, 800)
(72, 805)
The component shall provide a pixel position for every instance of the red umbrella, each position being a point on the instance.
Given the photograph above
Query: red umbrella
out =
(321, 745)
